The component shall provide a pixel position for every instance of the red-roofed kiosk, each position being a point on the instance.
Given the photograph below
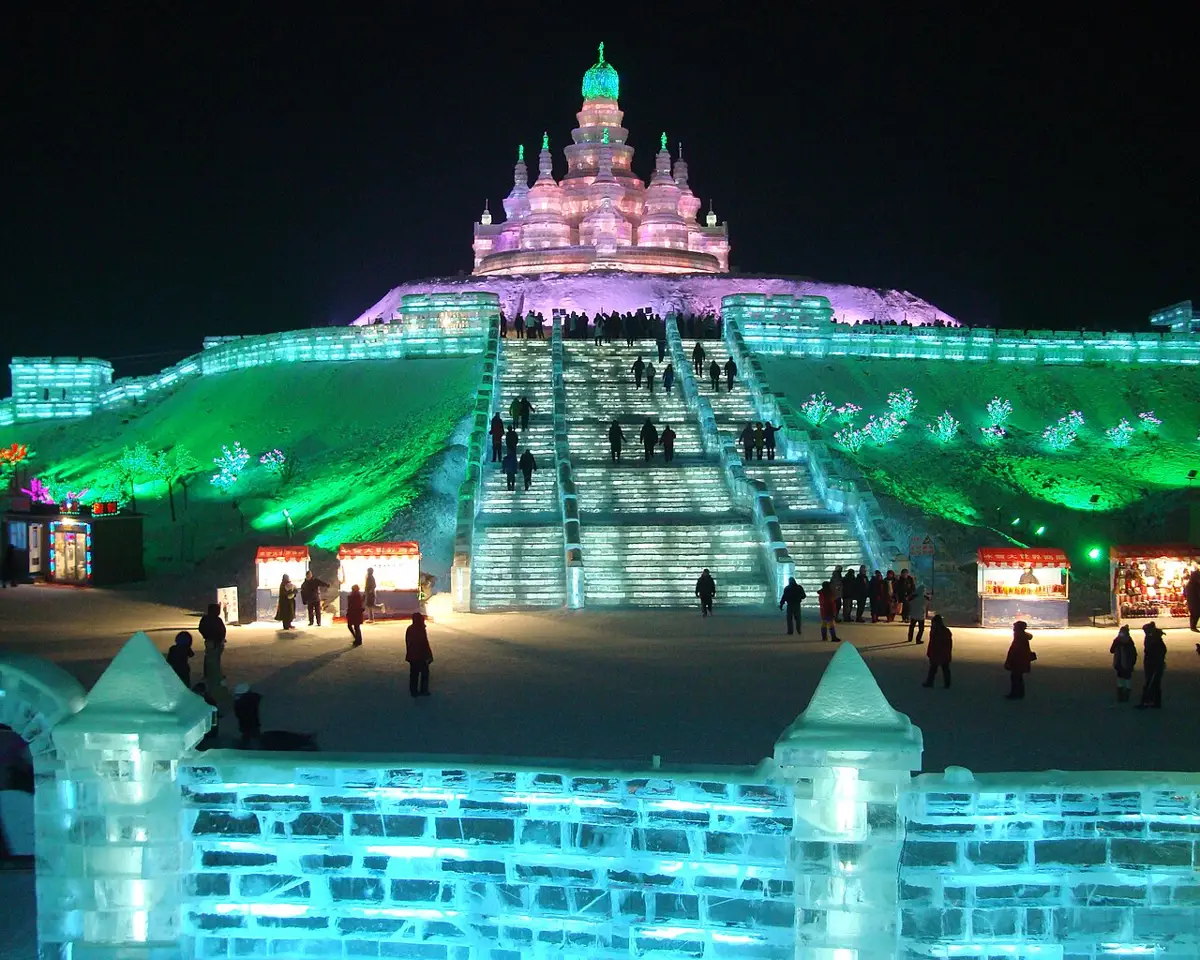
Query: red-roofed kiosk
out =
(1029, 584)
(397, 567)
(1148, 582)
(270, 564)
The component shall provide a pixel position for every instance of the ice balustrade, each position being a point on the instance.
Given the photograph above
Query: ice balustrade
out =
(848, 495)
(471, 489)
(568, 498)
(747, 492)
(830, 848)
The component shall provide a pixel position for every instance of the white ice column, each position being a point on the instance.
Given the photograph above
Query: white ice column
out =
(849, 757)
(122, 867)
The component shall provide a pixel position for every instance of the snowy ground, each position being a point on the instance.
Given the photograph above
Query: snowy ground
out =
(627, 686)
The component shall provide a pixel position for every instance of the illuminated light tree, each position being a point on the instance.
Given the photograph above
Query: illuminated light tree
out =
(130, 466)
(817, 409)
(1064, 432)
(848, 412)
(883, 430)
(902, 403)
(229, 465)
(37, 491)
(992, 435)
(10, 457)
(944, 428)
(1120, 435)
(172, 468)
(851, 439)
(61, 491)
(999, 412)
(1149, 420)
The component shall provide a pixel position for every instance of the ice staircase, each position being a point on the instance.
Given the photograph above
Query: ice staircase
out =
(817, 539)
(517, 555)
(648, 529)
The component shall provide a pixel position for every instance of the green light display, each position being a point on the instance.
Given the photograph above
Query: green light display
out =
(601, 81)
(520, 153)
(604, 136)
(663, 140)
(545, 140)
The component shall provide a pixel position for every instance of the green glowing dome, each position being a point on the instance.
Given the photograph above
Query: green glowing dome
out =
(601, 80)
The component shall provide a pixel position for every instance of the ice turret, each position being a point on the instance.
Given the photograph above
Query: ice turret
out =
(516, 204)
(545, 227)
(662, 226)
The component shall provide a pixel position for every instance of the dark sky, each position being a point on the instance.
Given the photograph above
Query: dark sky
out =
(170, 175)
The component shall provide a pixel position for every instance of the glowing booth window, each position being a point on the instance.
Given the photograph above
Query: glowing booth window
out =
(71, 551)
(1023, 584)
(1149, 582)
(396, 568)
(270, 564)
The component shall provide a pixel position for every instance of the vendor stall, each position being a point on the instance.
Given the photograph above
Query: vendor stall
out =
(1027, 584)
(70, 543)
(396, 568)
(270, 564)
(1148, 582)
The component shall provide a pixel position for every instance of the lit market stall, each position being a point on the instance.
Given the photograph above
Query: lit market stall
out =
(83, 545)
(270, 564)
(1148, 582)
(397, 571)
(1029, 584)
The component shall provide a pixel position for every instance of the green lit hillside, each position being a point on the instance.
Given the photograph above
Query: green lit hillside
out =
(359, 434)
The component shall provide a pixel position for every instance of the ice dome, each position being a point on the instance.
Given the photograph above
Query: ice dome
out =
(601, 80)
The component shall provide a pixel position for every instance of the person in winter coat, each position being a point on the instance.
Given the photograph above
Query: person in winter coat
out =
(661, 343)
(1154, 663)
(941, 643)
(497, 432)
(1125, 657)
(514, 411)
(698, 359)
(878, 593)
(668, 443)
(862, 593)
(649, 438)
(849, 592)
(1019, 660)
(310, 596)
(917, 608)
(519, 326)
(212, 629)
(246, 708)
(419, 655)
(639, 366)
(793, 595)
(906, 586)
(503, 327)
(828, 611)
(369, 589)
(526, 410)
(598, 329)
(747, 439)
(616, 437)
(179, 655)
(838, 583)
(892, 603)
(714, 374)
(730, 373)
(759, 440)
(706, 589)
(769, 431)
(528, 465)
(510, 468)
(285, 610)
(1191, 592)
(650, 377)
(669, 378)
(355, 607)
(511, 439)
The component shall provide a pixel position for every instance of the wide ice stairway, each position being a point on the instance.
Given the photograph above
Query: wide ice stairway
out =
(517, 557)
(649, 528)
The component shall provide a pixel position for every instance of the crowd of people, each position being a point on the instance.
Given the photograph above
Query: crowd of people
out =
(938, 322)
(506, 440)
(641, 324)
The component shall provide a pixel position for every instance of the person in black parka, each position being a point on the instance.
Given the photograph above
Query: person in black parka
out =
(1154, 663)
(179, 655)
(793, 595)
(668, 443)
(706, 589)
(649, 438)
(1125, 657)
(497, 432)
(638, 366)
(616, 437)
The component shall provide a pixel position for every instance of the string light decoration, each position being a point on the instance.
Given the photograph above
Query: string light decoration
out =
(229, 465)
(999, 412)
(1064, 432)
(817, 409)
(850, 438)
(1120, 435)
(848, 412)
(902, 403)
(944, 428)
(883, 430)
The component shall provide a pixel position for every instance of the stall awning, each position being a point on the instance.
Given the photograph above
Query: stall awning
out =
(281, 553)
(395, 548)
(1152, 551)
(1018, 557)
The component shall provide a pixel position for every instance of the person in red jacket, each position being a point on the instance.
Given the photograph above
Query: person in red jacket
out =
(356, 604)
(419, 656)
(941, 646)
(1018, 661)
(829, 606)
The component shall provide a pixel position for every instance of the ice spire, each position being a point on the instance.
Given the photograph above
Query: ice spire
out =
(545, 140)
(663, 141)
(711, 218)
(545, 161)
(487, 214)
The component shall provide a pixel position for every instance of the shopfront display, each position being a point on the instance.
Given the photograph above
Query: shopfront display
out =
(1148, 582)
(396, 567)
(72, 545)
(1030, 584)
(270, 564)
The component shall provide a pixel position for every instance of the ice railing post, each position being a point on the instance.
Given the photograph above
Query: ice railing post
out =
(849, 758)
(568, 500)
(468, 491)
(124, 862)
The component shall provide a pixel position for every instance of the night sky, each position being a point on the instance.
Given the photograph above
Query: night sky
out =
(169, 176)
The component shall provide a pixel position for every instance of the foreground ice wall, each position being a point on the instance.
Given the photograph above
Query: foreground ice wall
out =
(829, 850)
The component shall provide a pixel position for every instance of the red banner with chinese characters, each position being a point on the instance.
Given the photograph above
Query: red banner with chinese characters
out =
(1017, 557)
(395, 548)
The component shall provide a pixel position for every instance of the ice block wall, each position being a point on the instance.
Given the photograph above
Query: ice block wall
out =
(310, 858)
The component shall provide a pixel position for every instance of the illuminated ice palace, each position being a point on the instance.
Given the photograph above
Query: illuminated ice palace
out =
(836, 847)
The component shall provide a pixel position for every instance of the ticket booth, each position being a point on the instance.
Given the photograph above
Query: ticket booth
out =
(270, 564)
(78, 545)
(1030, 584)
(396, 567)
(1148, 582)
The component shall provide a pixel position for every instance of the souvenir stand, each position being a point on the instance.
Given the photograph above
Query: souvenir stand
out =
(270, 564)
(83, 545)
(1148, 582)
(1029, 584)
(397, 567)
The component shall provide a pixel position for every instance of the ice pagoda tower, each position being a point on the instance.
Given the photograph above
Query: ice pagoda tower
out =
(601, 215)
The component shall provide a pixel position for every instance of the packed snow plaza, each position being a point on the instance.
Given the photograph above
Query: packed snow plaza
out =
(835, 847)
